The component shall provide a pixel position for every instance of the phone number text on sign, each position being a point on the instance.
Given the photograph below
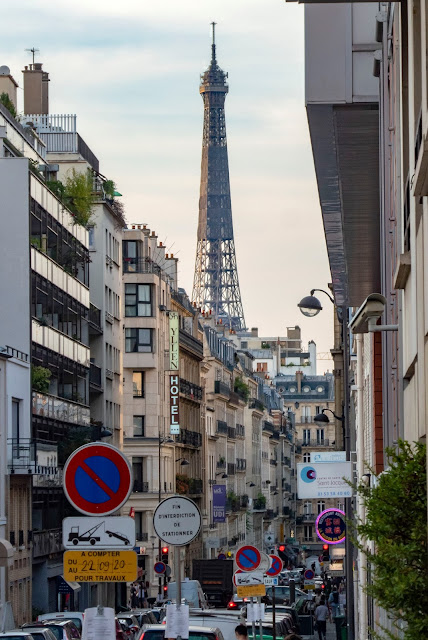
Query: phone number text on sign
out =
(100, 566)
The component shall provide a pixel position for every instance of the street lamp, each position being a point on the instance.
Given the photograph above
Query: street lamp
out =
(251, 484)
(310, 306)
(223, 475)
(184, 462)
(321, 418)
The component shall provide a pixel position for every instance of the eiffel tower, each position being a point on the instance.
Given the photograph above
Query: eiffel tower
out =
(216, 285)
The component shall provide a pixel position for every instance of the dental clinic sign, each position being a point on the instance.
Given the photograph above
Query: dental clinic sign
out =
(174, 334)
(324, 480)
(174, 400)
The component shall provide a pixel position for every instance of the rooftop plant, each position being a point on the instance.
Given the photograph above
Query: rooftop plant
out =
(7, 102)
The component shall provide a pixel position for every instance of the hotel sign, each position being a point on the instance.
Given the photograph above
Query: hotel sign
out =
(174, 399)
(174, 329)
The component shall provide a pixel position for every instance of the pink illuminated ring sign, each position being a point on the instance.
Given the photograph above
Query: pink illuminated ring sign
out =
(330, 526)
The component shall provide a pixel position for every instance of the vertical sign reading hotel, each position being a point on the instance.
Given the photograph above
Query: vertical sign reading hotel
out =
(174, 364)
(174, 389)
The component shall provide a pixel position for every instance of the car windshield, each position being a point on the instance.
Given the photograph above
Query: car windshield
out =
(77, 622)
(158, 634)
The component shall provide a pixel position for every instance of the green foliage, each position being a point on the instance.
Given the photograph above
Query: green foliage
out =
(76, 437)
(57, 187)
(35, 242)
(109, 188)
(78, 195)
(7, 102)
(242, 388)
(40, 377)
(396, 521)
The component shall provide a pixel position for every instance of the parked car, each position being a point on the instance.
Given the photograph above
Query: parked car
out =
(130, 624)
(63, 629)
(74, 616)
(120, 632)
(157, 632)
(39, 633)
(282, 594)
(16, 634)
(146, 616)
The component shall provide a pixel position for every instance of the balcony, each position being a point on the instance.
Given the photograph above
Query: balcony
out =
(240, 431)
(47, 542)
(325, 442)
(48, 406)
(46, 477)
(191, 343)
(109, 374)
(21, 455)
(231, 469)
(304, 420)
(221, 464)
(256, 404)
(141, 536)
(286, 487)
(275, 435)
(189, 438)
(190, 390)
(233, 504)
(259, 504)
(241, 464)
(140, 487)
(231, 433)
(307, 517)
(234, 398)
(268, 427)
(94, 320)
(285, 461)
(273, 462)
(54, 340)
(245, 501)
(222, 388)
(270, 514)
(95, 383)
(109, 317)
(188, 486)
(144, 265)
(222, 427)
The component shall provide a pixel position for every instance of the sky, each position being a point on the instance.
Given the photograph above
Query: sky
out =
(130, 70)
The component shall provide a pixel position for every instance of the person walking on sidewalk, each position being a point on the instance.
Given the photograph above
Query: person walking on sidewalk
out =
(333, 603)
(321, 615)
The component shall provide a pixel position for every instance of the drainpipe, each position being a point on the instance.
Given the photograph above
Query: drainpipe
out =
(362, 558)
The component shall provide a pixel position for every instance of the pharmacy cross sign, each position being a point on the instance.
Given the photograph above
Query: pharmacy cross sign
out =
(97, 479)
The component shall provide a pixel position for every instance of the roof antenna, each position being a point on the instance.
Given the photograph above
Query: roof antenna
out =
(213, 24)
(33, 50)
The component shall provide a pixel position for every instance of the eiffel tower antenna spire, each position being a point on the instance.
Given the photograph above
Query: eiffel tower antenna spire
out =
(216, 286)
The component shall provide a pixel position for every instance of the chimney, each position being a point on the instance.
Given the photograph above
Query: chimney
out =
(36, 89)
(8, 84)
(299, 378)
(255, 332)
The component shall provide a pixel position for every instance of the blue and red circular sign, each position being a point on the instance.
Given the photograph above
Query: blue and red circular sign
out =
(159, 568)
(248, 558)
(275, 567)
(221, 556)
(97, 479)
(309, 574)
(330, 526)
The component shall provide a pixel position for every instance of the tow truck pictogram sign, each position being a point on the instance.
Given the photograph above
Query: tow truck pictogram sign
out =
(110, 532)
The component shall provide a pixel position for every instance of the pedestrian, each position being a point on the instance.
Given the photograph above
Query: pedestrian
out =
(321, 615)
(333, 603)
(241, 632)
(134, 596)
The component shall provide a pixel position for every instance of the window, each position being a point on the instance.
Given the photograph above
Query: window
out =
(138, 341)
(292, 389)
(91, 237)
(306, 389)
(138, 426)
(320, 436)
(262, 367)
(341, 506)
(307, 508)
(320, 389)
(307, 533)
(138, 525)
(244, 344)
(306, 457)
(138, 300)
(138, 384)
(15, 421)
(320, 506)
(306, 436)
(137, 474)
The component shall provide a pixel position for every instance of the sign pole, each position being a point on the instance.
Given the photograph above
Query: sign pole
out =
(177, 575)
(253, 624)
(292, 585)
(259, 601)
(273, 613)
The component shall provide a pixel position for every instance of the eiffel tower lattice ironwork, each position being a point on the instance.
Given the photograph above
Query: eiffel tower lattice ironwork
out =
(216, 285)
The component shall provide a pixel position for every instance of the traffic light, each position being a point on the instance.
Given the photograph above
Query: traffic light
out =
(325, 553)
(282, 554)
(164, 555)
(165, 589)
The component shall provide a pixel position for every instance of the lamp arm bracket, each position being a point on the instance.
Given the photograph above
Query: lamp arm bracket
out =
(322, 291)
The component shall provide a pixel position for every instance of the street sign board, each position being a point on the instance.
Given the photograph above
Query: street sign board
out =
(177, 520)
(251, 591)
(159, 568)
(248, 558)
(309, 585)
(242, 578)
(330, 526)
(110, 532)
(97, 479)
(276, 566)
(309, 574)
(321, 480)
(100, 566)
(270, 582)
(328, 456)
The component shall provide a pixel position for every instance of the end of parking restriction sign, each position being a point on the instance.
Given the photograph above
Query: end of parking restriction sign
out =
(97, 479)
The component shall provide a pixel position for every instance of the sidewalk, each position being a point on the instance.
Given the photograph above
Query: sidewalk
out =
(331, 633)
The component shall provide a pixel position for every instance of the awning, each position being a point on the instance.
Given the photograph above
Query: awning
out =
(64, 586)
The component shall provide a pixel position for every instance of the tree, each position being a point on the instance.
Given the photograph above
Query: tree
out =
(7, 102)
(396, 522)
(40, 377)
(78, 195)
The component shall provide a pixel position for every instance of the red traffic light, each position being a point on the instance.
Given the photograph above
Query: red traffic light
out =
(322, 587)
(281, 547)
(325, 547)
(165, 589)
(164, 549)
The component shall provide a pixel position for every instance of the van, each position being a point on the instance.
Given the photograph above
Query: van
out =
(74, 616)
(191, 592)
